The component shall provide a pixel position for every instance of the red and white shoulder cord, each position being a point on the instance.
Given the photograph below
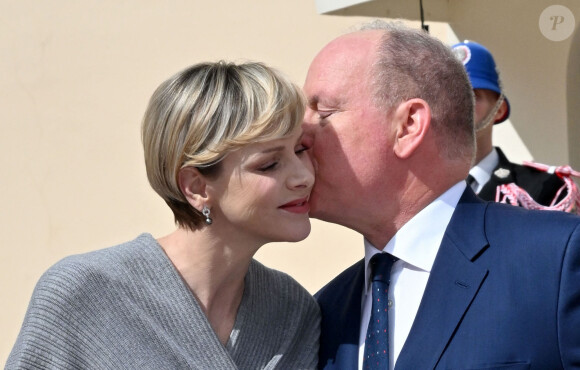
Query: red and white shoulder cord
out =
(514, 195)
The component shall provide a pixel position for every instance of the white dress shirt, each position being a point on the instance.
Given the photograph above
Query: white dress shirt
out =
(415, 245)
(482, 171)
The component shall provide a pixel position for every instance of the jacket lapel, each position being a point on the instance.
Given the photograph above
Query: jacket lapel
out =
(341, 319)
(453, 284)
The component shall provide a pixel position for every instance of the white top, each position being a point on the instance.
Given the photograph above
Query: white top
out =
(415, 245)
(482, 171)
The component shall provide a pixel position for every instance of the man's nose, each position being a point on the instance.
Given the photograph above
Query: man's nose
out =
(308, 135)
(308, 117)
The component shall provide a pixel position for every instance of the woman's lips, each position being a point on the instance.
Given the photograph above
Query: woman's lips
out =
(297, 206)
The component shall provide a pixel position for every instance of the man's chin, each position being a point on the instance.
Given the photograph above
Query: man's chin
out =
(319, 209)
(315, 207)
(319, 213)
(314, 213)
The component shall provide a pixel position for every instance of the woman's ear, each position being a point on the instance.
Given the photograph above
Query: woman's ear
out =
(412, 119)
(192, 185)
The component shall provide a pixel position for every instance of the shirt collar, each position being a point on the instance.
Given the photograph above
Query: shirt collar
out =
(483, 170)
(418, 241)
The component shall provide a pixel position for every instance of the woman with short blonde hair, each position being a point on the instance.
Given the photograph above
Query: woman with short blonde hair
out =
(222, 144)
(199, 115)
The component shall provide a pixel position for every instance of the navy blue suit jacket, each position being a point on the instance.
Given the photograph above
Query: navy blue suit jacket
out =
(504, 292)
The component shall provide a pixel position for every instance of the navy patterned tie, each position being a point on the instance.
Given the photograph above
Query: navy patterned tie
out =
(376, 354)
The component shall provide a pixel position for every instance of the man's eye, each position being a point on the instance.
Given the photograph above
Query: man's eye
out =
(301, 149)
(324, 114)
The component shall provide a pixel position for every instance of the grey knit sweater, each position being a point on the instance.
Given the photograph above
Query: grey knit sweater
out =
(126, 307)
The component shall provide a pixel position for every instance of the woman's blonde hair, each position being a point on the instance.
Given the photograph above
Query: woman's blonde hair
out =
(201, 114)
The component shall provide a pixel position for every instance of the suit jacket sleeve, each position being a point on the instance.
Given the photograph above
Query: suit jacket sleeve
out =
(569, 304)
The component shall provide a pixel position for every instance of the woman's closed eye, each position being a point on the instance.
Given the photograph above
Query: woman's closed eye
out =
(268, 166)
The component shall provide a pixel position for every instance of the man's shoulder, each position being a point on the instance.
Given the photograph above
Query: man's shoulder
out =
(502, 213)
(341, 282)
(533, 174)
(530, 224)
(524, 174)
(542, 186)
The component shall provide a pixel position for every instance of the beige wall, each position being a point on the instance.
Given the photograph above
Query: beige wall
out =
(572, 99)
(76, 77)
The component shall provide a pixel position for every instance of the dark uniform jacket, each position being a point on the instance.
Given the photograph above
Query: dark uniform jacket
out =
(541, 186)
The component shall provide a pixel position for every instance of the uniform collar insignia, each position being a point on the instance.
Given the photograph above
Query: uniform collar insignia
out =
(502, 173)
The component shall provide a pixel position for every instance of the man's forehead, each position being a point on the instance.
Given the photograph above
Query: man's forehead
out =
(369, 37)
(324, 100)
(328, 80)
(344, 48)
(339, 61)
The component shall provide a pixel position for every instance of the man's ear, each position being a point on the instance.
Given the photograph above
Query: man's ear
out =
(412, 119)
(192, 185)
(501, 112)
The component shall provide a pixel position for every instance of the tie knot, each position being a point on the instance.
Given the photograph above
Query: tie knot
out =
(381, 264)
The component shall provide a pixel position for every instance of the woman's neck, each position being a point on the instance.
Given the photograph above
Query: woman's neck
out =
(213, 270)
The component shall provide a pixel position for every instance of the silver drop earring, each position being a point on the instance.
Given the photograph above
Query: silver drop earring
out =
(205, 211)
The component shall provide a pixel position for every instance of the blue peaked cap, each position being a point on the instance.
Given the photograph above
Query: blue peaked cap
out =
(480, 68)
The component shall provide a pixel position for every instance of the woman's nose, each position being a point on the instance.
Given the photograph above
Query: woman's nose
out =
(303, 174)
